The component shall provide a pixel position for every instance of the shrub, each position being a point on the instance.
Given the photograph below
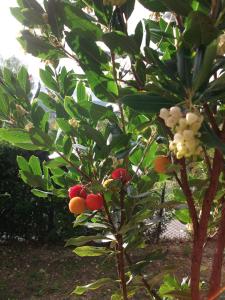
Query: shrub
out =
(23, 215)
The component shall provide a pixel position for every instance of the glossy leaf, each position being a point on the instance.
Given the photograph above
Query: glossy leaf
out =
(40, 194)
(200, 29)
(82, 240)
(180, 7)
(148, 103)
(91, 251)
(80, 290)
(154, 5)
(119, 42)
(35, 165)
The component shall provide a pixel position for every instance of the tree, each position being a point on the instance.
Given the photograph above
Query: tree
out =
(173, 89)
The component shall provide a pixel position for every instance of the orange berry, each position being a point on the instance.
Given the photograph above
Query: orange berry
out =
(161, 164)
(77, 205)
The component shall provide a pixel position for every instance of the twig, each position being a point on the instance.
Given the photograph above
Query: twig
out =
(207, 160)
(74, 166)
(215, 277)
(149, 142)
(188, 194)
(211, 119)
(109, 216)
(217, 294)
(145, 282)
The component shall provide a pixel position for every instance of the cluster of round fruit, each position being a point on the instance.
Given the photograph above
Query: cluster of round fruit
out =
(80, 201)
(185, 127)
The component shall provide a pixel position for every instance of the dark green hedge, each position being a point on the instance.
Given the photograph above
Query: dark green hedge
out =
(21, 213)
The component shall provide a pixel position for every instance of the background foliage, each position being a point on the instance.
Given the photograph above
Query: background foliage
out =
(23, 215)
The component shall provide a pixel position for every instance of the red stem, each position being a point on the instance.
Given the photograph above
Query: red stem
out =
(201, 235)
(215, 277)
(188, 194)
(121, 266)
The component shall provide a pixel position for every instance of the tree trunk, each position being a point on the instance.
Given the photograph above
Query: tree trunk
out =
(215, 278)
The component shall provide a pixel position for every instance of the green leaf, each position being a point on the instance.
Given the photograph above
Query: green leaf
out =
(40, 194)
(154, 5)
(77, 20)
(54, 10)
(205, 71)
(38, 46)
(64, 125)
(179, 295)
(23, 164)
(91, 251)
(31, 4)
(183, 216)
(47, 100)
(139, 217)
(4, 105)
(27, 16)
(56, 162)
(116, 297)
(69, 105)
(200, 29)
(148, 103)
(14, 136)
(209, 138)
(150, 155)
(35, 165)
(94, 134)
(170, 284)
(81, 240)
(48, 80)
(67, 145)
(80, 290)
(81, 92)
(23, 78)
(40, 138)
(119, 42)
(138, 35)
(94, 62)
(31, 179)
(180, 7)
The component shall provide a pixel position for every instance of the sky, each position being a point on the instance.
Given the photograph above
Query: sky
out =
(10, 28)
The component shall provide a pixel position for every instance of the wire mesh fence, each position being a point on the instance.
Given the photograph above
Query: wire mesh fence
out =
(175, 230)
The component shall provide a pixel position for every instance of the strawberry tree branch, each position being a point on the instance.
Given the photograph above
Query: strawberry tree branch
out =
(217, 293)
(215, 277)
(207, 160)
(189, 196)
(74, 166)
(145, 282)
(121, 265)
(200, 237)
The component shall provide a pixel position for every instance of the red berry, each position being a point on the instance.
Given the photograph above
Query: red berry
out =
(77, 191)
(94, 202)
(121, 174)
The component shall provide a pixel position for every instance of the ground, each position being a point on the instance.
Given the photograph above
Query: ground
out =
(30, 271)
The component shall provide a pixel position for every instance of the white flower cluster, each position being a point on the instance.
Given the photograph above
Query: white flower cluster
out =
(185, 127)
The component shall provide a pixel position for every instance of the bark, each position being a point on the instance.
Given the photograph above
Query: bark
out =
(201, 235)
(215, 278)
(121, 266)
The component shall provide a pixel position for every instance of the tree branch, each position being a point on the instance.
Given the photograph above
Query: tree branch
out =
(188, 194)
(145, 282)
(215, 277)
(74, 166)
